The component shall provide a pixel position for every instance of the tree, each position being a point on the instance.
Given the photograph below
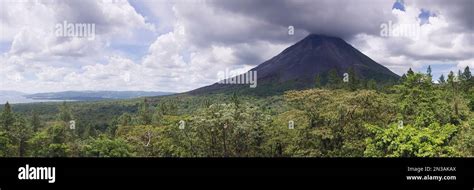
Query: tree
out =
(65, 114)
(451, 80)
(235, 99)
(467, 73)
(403, 78)
(333, 80)
(125, 119)
(372, 85)
(54, 141)
(157, 117)
(7, 117)
(206, 102)
(317, 81)
(353, 80)
(104, 146)
(454, 81)
(420, 103)
(335, 119)
(35, 121)
(441, 79)
(411, 141)
(471, 102)
(144, 113)
(224, 130)
(467, 80)
(428, 71)
(410, 72)
(58, 133)
(6, 146)
(89, 131)
(8, 122)
(147, 140)
(20, 133)
(168, 107)
(40, 142)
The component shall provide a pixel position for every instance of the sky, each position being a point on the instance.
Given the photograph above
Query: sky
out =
(180, 45)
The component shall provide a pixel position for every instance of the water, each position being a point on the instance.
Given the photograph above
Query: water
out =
(15, 99)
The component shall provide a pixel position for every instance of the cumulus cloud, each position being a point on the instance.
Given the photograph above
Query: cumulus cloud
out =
(458, 12)
(439, 41)
(37, 55)
(185, 43)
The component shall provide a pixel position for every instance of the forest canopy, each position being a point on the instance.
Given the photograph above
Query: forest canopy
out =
(414, 118)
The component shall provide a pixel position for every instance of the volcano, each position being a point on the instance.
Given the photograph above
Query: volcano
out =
(297, 66)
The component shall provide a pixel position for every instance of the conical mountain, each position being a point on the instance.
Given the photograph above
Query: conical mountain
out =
(297, 66)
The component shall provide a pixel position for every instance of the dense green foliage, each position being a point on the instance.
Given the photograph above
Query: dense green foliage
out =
(354, 118)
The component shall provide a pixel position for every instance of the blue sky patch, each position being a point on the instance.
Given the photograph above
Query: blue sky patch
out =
(424, 16)
(399, 4)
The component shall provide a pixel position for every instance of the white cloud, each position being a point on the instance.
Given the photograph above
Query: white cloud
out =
(438, 42)
(194, 40)
(179, 61)
(466, 63)
(42, 60)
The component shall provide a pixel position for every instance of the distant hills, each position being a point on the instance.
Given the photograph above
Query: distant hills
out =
(13, 97)
(19, 97)
(94, 95)
(297, 66)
